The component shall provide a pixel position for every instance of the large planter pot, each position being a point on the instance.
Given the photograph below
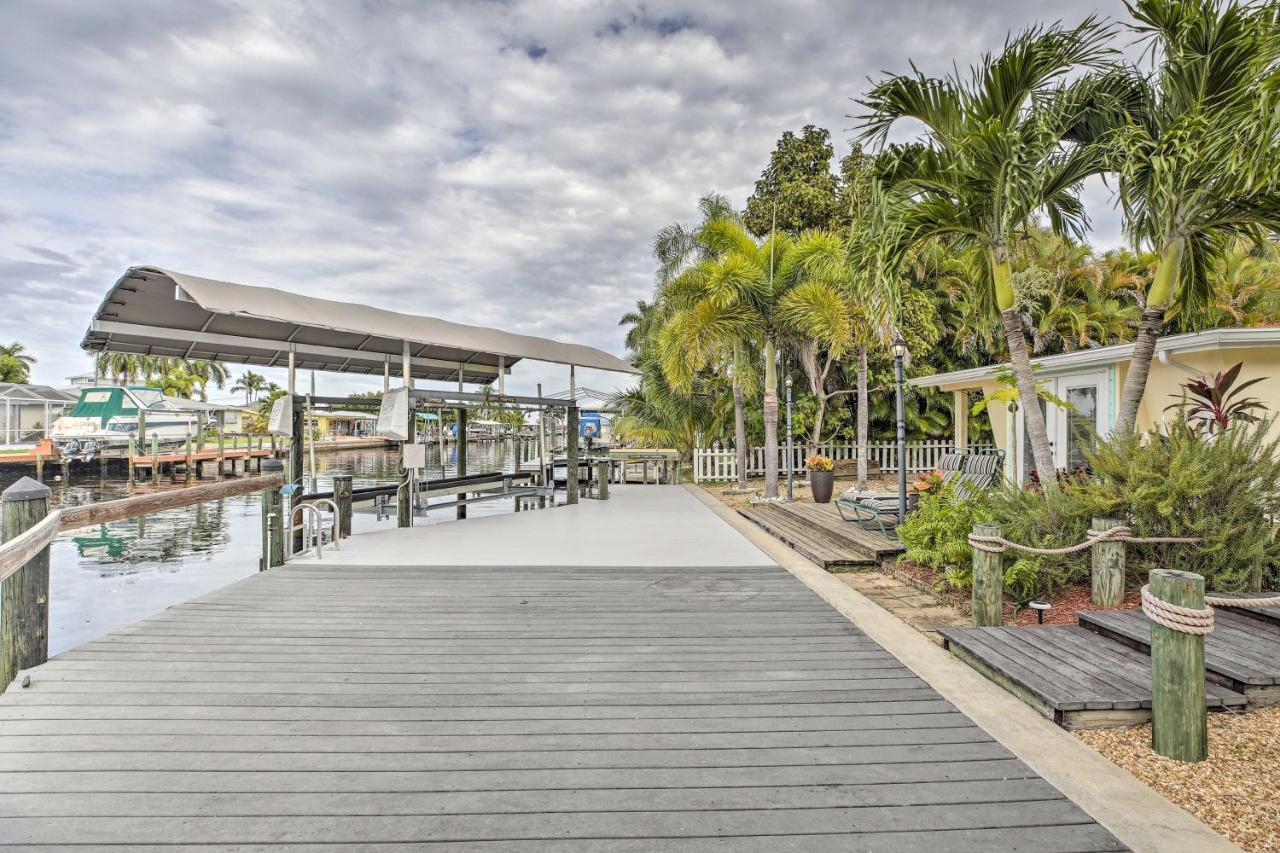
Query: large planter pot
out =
(821, 484)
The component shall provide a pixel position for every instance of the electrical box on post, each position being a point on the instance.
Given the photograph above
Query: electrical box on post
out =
(393, 415)
(414, 456)
(281, 420)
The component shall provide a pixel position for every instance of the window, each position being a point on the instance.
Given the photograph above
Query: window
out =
(96, 397)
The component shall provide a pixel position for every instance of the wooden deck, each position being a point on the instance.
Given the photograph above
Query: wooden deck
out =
(818, 532)
(1241, 652)
(509, 709)
(1071, 675)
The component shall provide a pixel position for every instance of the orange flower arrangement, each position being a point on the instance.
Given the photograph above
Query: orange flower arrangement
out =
(819, 463)
(928, 482)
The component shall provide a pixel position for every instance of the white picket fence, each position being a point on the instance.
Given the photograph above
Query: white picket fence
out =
(721, 463)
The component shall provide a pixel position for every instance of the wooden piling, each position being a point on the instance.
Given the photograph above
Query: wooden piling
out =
(24, 595)
(342, 500)
(988, 582)
(272, 521)
(155, 464)
(602, 480)
(1179, 725)
(1108, 566)
(571, 455)
(189, 460)
(463, 420)
(222, 452)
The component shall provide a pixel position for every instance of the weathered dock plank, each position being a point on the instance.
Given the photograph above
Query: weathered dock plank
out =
(1241, 653)
(1071, 675)
(508, 708)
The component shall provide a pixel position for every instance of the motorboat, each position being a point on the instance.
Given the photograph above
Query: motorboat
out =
(107, 417)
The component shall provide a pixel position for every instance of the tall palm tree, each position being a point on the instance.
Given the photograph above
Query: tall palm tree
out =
(1194, 146)
(991, 159)
(203, 373)
(251, 384)
(747, 291)
(682, 253)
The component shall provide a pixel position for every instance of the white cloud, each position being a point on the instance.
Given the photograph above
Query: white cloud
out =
(504, 164)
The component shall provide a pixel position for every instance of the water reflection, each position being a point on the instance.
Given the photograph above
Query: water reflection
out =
(110, 575)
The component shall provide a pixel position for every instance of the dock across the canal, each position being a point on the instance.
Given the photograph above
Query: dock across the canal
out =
(622, 675)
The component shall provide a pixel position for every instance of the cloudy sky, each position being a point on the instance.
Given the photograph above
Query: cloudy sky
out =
(503, 164)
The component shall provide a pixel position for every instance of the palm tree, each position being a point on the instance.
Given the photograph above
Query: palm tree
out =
(682, 256)
(991, 159)
(13, 370)
(748, 292)
(657, 415)
(251, 384)
(1193, 143)
(123, 368)
(204, 372)
(18, 352)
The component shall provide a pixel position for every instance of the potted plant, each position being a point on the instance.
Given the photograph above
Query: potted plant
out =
(822, 477)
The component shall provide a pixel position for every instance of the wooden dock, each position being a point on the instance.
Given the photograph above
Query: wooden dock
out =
(1071, 675)
(509, 708)
(818, 532)
(1242, 652)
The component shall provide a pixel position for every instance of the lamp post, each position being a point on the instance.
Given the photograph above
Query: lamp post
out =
(790, 452)
(900, 353)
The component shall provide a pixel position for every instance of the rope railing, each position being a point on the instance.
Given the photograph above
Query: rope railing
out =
(998, 544)
(18, 551)
(1188, 620)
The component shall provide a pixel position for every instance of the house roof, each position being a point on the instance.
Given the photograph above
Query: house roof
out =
(26, 394)
(1235, 338)
(155, 311)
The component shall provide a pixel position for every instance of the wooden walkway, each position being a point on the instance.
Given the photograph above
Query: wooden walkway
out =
(1073, 676)
(818, 532)
(509, 709)
(1242, 652)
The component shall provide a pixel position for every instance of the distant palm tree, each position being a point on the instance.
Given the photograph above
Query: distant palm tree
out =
(991, 158)
(251, 384)
(13, 370)
(18, 351)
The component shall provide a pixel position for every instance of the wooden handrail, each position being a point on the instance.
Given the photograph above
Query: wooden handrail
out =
(15, 553)
(99, 513)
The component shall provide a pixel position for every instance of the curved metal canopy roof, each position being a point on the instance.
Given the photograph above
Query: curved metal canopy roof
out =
(156, 311)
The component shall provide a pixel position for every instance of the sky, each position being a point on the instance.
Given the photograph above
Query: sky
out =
(496, 163)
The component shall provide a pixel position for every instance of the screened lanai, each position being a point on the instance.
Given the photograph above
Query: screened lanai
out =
(26, 411)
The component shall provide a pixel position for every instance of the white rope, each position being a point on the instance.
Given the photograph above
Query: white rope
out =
(998, 544)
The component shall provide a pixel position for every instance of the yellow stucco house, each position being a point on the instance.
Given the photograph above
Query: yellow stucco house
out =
(1092, 380)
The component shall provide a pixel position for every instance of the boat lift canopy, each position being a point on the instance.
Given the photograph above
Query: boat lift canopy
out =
(153, 311)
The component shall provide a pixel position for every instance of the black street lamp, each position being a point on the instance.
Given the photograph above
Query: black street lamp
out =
(900, 353)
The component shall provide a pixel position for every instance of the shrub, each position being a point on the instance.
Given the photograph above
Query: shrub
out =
(1186, 482)
(936, 533)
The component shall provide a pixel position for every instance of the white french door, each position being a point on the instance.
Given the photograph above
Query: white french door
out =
(1071, 431)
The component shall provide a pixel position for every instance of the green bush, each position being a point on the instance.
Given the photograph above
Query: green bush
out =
(1181, 483)
(1185, 482)
(936, 534)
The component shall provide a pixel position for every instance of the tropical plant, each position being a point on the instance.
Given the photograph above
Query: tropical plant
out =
(1194, 146)
(991, 158)
(797, 191)
(683, 256)
(1210, 404)
(18, 352)
(12, 369)
(654, 414)
(819, 463)
(251, 384)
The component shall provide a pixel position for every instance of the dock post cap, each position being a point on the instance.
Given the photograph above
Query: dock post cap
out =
(273, 466)
(26, 489)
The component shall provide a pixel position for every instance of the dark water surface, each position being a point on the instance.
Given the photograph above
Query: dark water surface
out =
(111, 575)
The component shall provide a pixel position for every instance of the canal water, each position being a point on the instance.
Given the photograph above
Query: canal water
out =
(110, 575)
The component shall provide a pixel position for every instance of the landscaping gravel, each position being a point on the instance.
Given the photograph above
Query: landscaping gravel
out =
(1235, 791)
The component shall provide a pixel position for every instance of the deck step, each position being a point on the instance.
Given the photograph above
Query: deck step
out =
(1263, 614)
(828, 549)
(1073, 676)
(1242, 652)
